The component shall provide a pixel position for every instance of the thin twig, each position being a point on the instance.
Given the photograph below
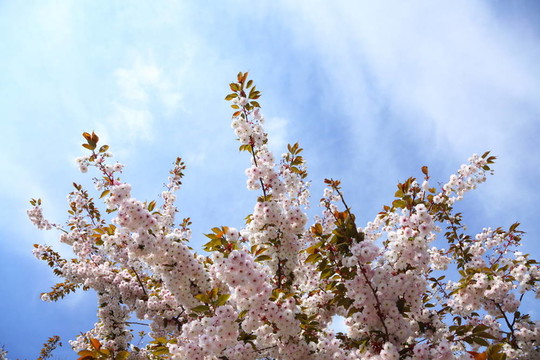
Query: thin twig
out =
(139, 280)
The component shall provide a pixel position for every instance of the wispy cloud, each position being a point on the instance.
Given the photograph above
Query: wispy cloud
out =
(145, 79)
(132, 123)
(143, 92)
(441, 79)
(451, 65)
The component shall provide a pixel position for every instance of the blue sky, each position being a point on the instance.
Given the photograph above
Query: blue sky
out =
(371, 90)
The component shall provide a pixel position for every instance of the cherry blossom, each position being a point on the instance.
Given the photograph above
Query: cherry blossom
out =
(272, 288)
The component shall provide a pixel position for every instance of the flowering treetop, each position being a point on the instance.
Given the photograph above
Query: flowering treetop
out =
(271, 289)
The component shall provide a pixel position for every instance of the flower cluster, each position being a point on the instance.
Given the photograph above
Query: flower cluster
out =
(36, 216)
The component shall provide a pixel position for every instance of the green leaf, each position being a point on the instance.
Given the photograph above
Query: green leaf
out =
(163, 350)
(326, 273)
(242, 314)
(514, 227)
(201, 309)
(480, 328)
(122, 355)
(262, 258)
(494, 352)
(203, 298)
(313, 258)
(486, 335)
(222, 299)
(480, 341)
(212, 236)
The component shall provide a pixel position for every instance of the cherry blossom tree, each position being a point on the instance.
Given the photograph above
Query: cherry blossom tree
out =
(272, 289)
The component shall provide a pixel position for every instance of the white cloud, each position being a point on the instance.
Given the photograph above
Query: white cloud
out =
(438, 59)
(144, 92)
(144, 80)
(132, 123)
(451, 76)
(130, 86)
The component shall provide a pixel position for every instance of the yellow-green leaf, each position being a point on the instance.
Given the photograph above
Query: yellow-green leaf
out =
(200, 309)
(122, 355)
(313, 258)
(222, 299)
(261, 258)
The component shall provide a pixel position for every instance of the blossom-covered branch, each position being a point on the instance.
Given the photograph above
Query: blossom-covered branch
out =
(272, 289)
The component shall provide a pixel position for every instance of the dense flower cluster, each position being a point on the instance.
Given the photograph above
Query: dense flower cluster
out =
(272, 289)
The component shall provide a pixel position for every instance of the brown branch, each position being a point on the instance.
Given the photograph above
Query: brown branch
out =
(140, 282)
(454, 230)
(378, 302)
(135, 323)
(510, 326)
(343, 201)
